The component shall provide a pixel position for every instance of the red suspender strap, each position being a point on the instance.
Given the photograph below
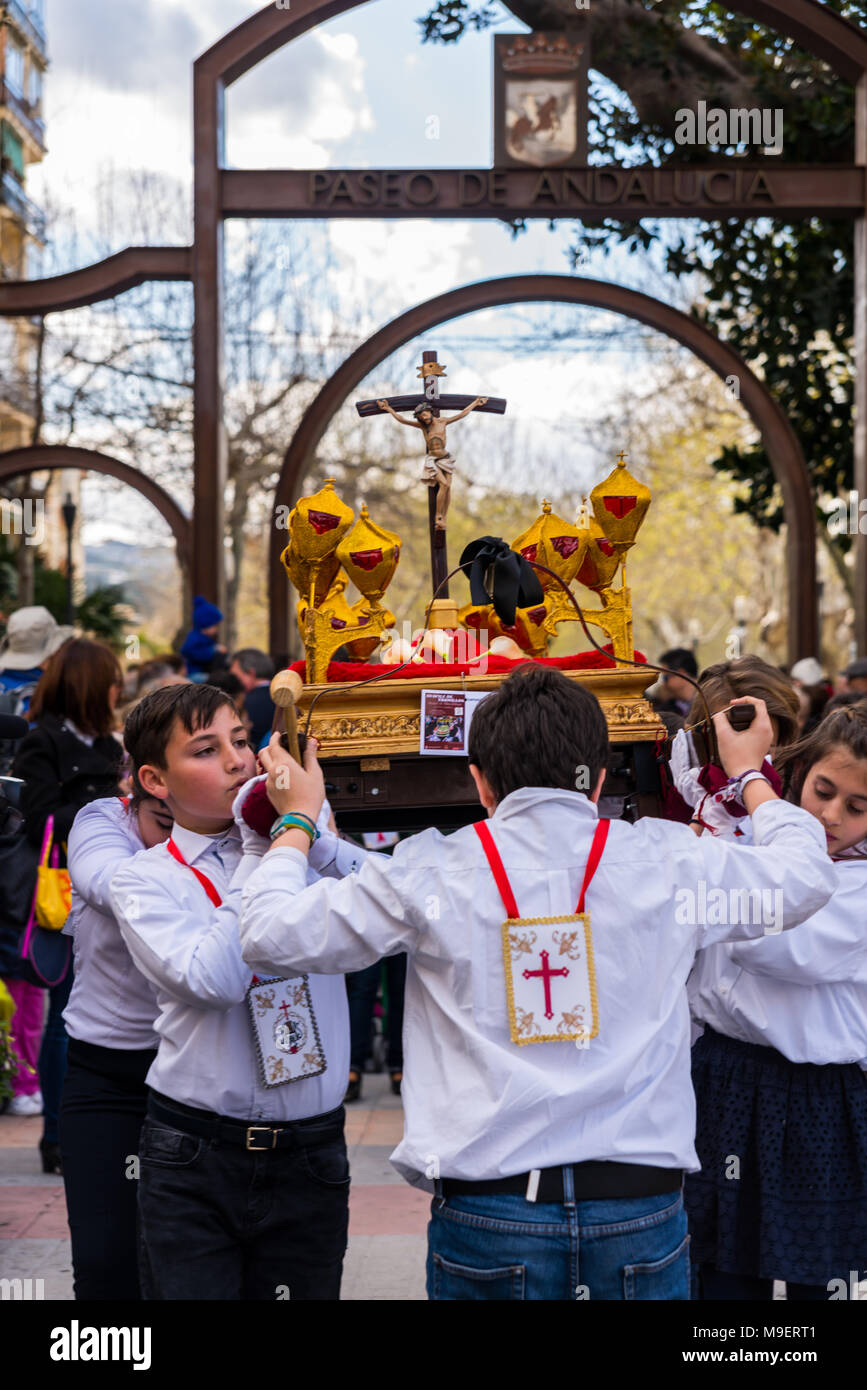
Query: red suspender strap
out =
(600, 835)
(203, 878)
(496, 863)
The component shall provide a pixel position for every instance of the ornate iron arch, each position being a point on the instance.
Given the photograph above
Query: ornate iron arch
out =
(781, 442)
(16, 462)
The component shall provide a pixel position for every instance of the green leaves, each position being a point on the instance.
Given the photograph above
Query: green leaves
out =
(782, 295)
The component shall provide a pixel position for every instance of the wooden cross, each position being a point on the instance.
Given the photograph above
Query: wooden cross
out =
(430, 371)
(547, 974)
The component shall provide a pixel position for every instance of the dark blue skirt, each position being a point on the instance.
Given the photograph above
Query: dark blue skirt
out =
(782, 1192)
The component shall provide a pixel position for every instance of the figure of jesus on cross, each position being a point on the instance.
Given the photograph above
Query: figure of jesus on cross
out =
(439, 463)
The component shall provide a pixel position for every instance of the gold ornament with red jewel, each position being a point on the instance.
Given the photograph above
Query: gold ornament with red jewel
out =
(620, 505)
(317, 524)
(555, 543)
(528, 630)
(325, 551)
(370, 556)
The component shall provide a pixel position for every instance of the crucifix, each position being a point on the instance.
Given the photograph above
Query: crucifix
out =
(439, 463)
(546, 974)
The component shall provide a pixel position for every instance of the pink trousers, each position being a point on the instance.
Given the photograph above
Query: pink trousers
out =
(25, 1033)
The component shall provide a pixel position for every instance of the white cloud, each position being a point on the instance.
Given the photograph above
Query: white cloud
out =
(392, 265)
(312, 92)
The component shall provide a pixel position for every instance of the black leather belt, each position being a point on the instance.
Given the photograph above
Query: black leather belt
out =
(592, 1181)
(204, 1124)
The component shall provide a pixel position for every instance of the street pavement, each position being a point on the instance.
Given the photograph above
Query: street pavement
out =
(387, 1218)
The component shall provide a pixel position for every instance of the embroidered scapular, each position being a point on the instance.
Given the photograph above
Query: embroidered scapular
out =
(285, 1031)
(550, 975)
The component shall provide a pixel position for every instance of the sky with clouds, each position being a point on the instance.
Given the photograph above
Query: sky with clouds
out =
(357, 92)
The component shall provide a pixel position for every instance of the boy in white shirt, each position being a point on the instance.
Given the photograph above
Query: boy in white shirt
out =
(557, 1168)
(244, 1180)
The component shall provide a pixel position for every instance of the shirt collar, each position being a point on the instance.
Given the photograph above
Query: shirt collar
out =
(79, 733)
(520, 801)
(193, 845)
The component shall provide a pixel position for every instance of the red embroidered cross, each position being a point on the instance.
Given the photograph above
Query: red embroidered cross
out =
(546, 973)
(285, 1007)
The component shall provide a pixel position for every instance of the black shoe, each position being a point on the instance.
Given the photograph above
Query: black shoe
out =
(50, 1157)
(396, 1078)
(353, 1089)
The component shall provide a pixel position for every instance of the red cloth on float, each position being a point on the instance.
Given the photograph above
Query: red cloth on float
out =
(258, 811)
(348, 671)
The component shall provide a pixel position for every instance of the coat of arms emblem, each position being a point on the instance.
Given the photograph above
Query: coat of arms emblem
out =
(540, 117)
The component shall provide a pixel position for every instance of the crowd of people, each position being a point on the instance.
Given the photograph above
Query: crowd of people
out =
(693, 1120)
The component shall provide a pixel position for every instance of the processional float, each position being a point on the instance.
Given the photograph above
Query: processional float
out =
(378, 723)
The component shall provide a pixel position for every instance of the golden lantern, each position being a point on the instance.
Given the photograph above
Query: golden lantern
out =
(553, 542)
(601, 559)
(620, 505)
(317, 524)
(369, 554)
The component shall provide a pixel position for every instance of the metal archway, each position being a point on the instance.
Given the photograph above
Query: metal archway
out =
(780, 440)
(818, 29)
(16, 462)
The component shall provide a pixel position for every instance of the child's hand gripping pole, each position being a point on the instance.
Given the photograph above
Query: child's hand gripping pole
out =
(743, 748)
(292, 787)
(286, 688)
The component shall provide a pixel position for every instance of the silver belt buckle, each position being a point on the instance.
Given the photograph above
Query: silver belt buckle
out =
(261, 1129)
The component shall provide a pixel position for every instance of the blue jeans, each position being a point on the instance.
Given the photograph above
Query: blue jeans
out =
(504, 1247)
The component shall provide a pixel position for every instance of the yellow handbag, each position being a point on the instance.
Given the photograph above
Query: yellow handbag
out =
(53, 887)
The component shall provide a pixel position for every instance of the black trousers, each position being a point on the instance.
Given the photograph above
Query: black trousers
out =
(220, 1222)
(101, 1115)
(714, 1284)
(361, 990)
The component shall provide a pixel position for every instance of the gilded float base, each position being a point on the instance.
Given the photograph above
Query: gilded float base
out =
(383, 719)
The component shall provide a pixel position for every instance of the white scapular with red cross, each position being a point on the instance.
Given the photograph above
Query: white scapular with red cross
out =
(550, 976)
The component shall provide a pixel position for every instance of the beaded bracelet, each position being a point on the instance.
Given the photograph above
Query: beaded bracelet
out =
(294, 820)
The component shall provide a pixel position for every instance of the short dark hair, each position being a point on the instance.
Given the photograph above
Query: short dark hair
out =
(150, 725)
(536, 730)
(257, 663)
(680, 659)
(228, 681)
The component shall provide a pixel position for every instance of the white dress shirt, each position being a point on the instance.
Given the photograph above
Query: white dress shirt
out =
(804, 992)
(476, 1105)
(191, 951)
(111, 1004)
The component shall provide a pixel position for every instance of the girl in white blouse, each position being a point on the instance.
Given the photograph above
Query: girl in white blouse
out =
(110, 1021)
(780, 1071)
